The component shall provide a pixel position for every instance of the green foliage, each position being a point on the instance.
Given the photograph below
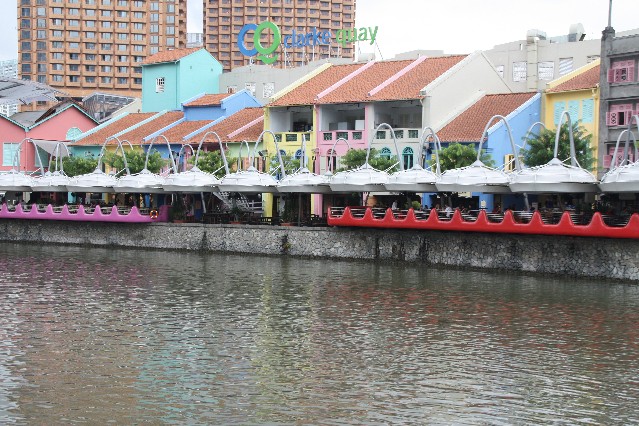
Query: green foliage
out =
(135, 160)
(74, 166)
(212, 162)
(356, 157)
(416, 205)
(541, 147)
(291, 164)
(178, 209)
(457, 155)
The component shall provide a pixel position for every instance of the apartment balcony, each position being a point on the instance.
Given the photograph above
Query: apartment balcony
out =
(403, 135)
(353, 137)
(292, 140)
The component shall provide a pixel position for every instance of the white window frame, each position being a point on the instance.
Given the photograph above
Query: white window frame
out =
(159, 85)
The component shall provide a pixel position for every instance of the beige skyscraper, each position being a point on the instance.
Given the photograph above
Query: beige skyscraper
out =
(84, 46)
(225, 19)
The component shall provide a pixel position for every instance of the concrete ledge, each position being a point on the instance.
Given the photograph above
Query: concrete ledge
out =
(589, 257)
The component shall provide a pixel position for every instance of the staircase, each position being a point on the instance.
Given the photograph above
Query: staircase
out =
(241, 202)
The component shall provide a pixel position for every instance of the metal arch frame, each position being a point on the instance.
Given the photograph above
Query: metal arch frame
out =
(180, 153)
(573, 158)
(98, 167)
(57, 155)
(277, 148)
(168, 145)
(484, 135)
(219, 140)
(238, 163)
(528, 132)
(330, 169)
(436, 143)
(16, 157)
(370, 142)
(634, 118)
(630, 134)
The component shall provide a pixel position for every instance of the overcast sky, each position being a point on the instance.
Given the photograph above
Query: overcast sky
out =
(455, 26)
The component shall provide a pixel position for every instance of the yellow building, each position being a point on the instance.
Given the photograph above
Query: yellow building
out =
(578, 93)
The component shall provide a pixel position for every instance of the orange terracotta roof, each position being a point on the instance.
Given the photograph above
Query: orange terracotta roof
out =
(409, 85)
(170, 55)
(176, 133)
(306, 92)
(585, 80)
(469, 125)
(235, 122)
(137, 135)
(116, 126)
(356, 89)
(208, 100)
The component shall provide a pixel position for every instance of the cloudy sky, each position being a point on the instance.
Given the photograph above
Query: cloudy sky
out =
(455, 26)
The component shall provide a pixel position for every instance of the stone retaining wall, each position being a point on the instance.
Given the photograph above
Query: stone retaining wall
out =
(591, 257)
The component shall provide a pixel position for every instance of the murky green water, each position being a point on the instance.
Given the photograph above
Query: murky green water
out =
(96, 336)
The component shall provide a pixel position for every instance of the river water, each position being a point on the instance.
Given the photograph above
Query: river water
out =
(129, 336)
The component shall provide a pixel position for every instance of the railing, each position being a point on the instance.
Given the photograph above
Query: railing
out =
(82, 213)
(512, 222)
(402, 135)
(348, 135)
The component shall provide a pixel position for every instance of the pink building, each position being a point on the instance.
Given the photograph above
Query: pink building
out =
(58, 124)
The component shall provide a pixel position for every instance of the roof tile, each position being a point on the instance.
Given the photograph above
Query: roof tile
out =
(306, 92)
(208, 100)
(235, 122)
(137, 135)
(170, 55)
(114, 127)
(585, 80)
(469, 125)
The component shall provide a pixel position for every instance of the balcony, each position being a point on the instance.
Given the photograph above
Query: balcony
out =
(351, 136)
(402, 135)
(292, 139)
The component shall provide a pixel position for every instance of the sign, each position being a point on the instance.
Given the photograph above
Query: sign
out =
(315, 37)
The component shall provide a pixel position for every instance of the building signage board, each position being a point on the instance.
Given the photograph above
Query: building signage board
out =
(296, 39)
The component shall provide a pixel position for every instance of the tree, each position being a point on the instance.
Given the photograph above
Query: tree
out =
(74, 166)
(135, 160)
(356, 157)
(212, 162)
(291, 164)
(541, 147)
(457, 155)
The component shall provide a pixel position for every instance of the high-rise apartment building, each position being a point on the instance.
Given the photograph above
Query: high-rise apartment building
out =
(9, 69)
(309, 30)
(84, 46)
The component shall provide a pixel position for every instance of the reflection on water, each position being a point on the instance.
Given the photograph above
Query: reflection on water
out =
(95, 335)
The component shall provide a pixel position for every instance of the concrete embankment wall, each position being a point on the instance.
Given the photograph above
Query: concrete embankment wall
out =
(590, 257)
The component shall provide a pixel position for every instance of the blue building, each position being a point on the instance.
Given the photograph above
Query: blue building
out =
(171, 77)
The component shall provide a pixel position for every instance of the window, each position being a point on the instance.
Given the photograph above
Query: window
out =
(106, 80)
(519, 71)
(123, 36)
(8, 153)
(170, 41)
(89, 79)
(89, 57)
(56, 78)
(74, 79)
(558, 108)
(408, 158)
(89, 12)
(57, 55)
(106, 36)
(57, 45)
(155, 39)
(89, 24)
(42, 79)
(74, 56)
(155, 6)
(89, 46)
(155, 28)
(41, 23)
(619, 115)
(170, 8)
(123, 70)
(621, 72)
(56, 33)
(105, 13)
(25, 23)
(587, 110)
(123, 25)
(138, 26)
(122, 14)
(170, 30)
(231, 89)
(73, 23)
(268, 90)
(155, 17)
(74, 34)
(159, 85)
(89, 34)
(42, 68)
(122, 80)
(89, 68)
(170, 19)
(106, 24)
(26, 68)
(105, 58)
(26, 57)
(41, 11)
(137, 80)
(56, 21)
(385, 153)
(106, 46)
(546, 70)
(138, 48)
(105, 68)
(138, 15)
(250, 86)
(565, 65)
(25, 45)
(73, 12)
(74, 68)
(122, 58)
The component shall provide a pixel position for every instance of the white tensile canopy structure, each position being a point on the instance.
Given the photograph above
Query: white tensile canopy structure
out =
(55, 181)
(251, 180)
(365, 178)
(145, 181)
(194, 180)
(417, 179)
(624, 177)
(304, 181)
(478, 177)
(555, 176)
(14, 179)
